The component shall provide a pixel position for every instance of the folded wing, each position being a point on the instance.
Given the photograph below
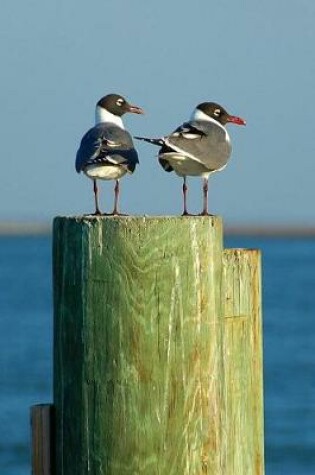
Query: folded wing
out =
(205, 142)
(106, 145)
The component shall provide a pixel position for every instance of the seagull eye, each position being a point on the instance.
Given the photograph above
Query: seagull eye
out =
(217, 112)
(119, 102)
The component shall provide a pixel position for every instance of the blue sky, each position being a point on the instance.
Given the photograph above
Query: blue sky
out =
(255, 58)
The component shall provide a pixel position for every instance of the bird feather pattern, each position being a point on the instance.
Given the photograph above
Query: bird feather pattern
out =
(106, 144)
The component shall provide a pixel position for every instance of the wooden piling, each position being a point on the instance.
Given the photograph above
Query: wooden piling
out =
(242, 360)
(42, 439)
(142, 383)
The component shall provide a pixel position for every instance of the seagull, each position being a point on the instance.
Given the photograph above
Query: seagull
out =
(198, 147)
(106, 151)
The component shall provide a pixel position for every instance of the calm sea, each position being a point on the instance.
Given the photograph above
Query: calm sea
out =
(289, 348)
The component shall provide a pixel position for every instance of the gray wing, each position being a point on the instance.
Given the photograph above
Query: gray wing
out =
(204, 141)
(106, 144)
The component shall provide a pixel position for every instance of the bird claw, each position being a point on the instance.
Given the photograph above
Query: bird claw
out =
(117, 214)
(96, 213)
(205, 213)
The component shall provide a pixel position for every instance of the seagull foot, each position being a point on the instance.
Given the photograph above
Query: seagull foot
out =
(205, 213)
(115, 213)
(96, 213)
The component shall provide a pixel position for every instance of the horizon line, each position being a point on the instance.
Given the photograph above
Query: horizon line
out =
(44, 228)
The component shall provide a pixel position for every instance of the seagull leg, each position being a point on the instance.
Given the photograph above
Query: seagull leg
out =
(95, 189)
(205, 197)
(185, 189)
(115, 210)
(116, 190)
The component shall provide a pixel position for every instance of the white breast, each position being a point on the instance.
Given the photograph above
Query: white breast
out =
(107, 172)
(184, 165)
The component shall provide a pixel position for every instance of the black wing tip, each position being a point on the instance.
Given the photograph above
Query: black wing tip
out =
(165, 165)
(78, 165)
(159, 142)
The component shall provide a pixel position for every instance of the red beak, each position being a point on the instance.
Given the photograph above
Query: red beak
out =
(236, 120)
(135, 109)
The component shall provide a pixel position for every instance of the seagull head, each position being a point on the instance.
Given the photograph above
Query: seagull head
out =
(118, 105)
(212, 110)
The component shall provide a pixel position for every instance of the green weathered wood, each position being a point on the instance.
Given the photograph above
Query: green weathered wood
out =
(137, 365)
(243, 373)
(157, 348)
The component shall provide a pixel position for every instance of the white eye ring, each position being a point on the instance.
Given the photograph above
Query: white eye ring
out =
(119, 102)
(217, 112)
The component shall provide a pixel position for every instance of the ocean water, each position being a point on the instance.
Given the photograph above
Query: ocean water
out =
(289, 348)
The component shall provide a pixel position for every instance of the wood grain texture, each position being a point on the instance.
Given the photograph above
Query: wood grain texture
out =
(42, 439)
(137, 373)
(243, 446)
(157, 348)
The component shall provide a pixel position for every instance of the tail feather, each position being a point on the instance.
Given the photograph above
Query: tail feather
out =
(158, 142)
